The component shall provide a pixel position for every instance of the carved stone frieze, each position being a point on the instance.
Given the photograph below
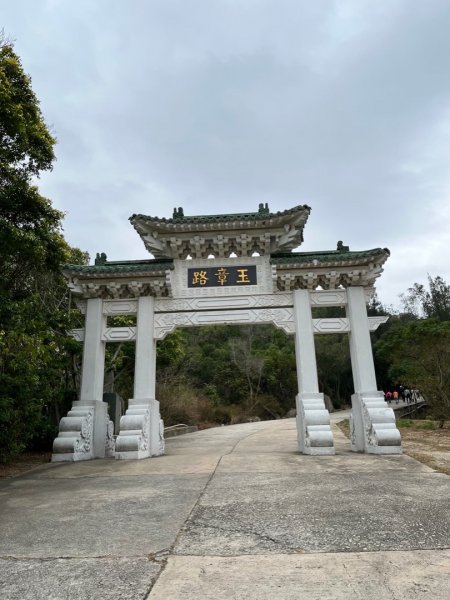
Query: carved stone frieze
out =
(110, 334)
(164, 305)
(144, 443)
(121, 288)
(297, 278)
(330, 325)
(160, 443)
(342, 325)
(167, 322)
(119, 334)
(328, 298)
(121, 307)
(110, 440)
(83, 442)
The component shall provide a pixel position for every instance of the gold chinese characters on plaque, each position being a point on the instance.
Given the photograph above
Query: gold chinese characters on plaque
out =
(203, 277)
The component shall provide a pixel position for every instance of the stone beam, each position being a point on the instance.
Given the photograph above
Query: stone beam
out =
(163, 305)
(280, 317)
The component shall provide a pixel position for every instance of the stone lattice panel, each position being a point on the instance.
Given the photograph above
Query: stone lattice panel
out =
(328, 298)
(119, 334)
(122, 307)
(223, 303)
(280, 317)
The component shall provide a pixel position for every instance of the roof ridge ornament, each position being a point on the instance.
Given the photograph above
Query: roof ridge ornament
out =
(341, 247)
(178, 214)
(242, 233)
(100, 259)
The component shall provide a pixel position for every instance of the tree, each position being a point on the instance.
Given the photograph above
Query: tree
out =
(38, 362)
(30, 228)
(334, 367)
(249, 363)
(419, 354)
(433, 303)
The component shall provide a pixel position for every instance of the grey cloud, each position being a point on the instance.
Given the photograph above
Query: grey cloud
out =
(220, 105)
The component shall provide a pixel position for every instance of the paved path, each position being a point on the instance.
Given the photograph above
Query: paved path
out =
(228, 513)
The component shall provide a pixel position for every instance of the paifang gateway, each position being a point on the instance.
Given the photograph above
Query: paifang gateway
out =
(219, 269)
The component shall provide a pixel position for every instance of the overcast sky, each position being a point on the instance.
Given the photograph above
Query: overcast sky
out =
(217, 105)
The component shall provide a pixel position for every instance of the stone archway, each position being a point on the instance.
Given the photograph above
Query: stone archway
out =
(278, 286)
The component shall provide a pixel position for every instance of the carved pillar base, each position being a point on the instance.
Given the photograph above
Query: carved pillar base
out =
(83, 434)
(372, 425)
(313, 425)
(110, 439)
(141, 431)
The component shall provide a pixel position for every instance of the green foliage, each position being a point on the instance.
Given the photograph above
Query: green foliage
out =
(432, 303)
(33, 362)
(38, 362)
(419, 352)
(237, 372)
(334, 367)
(181, 403)
(427, 424)
(172, 350)
(30, 238)
(26, 146)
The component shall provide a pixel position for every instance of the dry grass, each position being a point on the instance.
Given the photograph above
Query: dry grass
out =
(423, 440)
(429, 446)
(23, 463)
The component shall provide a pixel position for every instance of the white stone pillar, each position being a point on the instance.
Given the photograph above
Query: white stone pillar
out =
(313, 420)
(144, 370)
(83, 433)
(93, 369)
(372, 422)
(141, 428)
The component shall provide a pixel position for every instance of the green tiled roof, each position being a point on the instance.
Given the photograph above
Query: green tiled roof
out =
(159, 265)
(123, 266)
(327, 256)
(262, 214)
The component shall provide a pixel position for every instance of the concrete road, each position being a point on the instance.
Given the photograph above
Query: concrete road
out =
(232, 512)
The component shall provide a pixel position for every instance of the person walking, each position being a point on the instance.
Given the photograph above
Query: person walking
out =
(395, 396)
(388, 396)
(407, 394)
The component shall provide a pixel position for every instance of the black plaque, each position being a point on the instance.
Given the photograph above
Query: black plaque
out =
(204, 277)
